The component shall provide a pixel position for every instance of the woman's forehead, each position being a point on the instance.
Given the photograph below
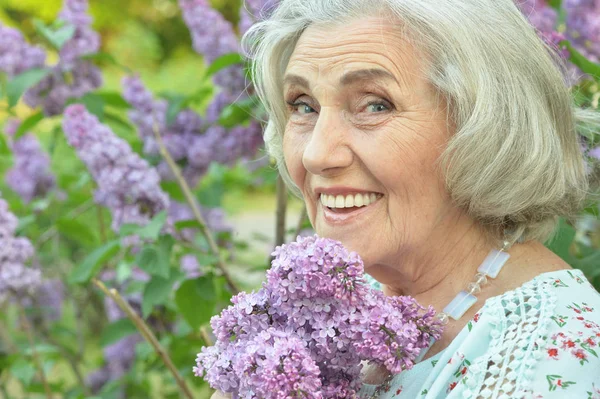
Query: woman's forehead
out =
(360, 49)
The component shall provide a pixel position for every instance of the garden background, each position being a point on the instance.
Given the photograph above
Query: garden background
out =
(98, 201)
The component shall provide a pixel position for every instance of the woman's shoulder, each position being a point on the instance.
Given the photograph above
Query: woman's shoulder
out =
(545, 338)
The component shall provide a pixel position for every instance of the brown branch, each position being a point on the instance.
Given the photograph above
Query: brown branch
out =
(301, 219)
(101, 223)
(281, 211)
(36, 359)
(196, 211)
(206, 336)
(146, 333)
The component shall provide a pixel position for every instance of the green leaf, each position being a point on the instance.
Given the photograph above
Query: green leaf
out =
(223, 62)
(176, 104)
(187, 224)
(116, 331)
(173, 189)
(586, 66)
(155, 259)
(24, 371)
(152, 229)
(56, 37)
(555, 4)
(103, 57)
(28, 124)
(196, 300)
(94, 104)
(114, 99)
(156, 293)
(77, 231)
(20, 83)
(561, 244)
(24, 222)
(237, 113)
(90, 265)
(4, 146)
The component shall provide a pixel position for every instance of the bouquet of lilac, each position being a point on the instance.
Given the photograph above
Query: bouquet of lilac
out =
(308, 330)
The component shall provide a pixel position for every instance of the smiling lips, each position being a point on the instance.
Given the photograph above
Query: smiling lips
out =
(348, 201)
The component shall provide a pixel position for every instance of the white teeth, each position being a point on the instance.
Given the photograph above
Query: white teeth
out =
(331, 201)
(348, 201)
(366, 199)
(358, 200)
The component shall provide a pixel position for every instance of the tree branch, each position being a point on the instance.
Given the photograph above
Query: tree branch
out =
(146, 333)
(196, 211)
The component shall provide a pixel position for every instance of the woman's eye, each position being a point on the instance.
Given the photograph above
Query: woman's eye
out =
(301, 107)
(377, 107)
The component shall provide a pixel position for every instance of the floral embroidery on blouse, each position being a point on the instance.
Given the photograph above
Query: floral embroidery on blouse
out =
(552, 325)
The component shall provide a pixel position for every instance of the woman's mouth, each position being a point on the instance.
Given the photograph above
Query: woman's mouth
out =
(342, 208)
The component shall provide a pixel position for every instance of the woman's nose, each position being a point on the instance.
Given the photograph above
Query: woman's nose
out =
(328, 149)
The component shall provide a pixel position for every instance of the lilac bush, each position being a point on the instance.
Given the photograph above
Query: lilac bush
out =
(581, 29)
(16, 55)
(192, 141)
(127, 184)
(307, 330)
(72, 76)
(212, 37)
(30, 175)
(15, 277)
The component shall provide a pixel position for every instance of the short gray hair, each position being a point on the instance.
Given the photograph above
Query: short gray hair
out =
(514, 162)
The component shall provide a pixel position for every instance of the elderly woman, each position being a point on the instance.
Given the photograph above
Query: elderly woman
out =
(437, 138)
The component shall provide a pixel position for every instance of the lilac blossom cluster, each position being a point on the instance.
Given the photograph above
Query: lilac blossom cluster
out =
(127, 184)
(582, 26)
(15, 277)
(16, 55)
(30, 176)
(72, 76)
(212, 37)
(307, 330)
(253, 11)
(191, 140)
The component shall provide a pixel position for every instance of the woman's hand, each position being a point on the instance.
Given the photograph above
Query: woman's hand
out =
(220, 395)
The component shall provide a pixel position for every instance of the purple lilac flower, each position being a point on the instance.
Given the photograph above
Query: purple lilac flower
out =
(253, 11)
(65, 81)
(316, 317)
(30, 176)
(146, 111)
(583, 26)
(212, 34)
(188, 139)
(51, 297)
(595, 153)
(16, 55)
(85, 40)
(212, 37)
(72, 76)
(127, 185)
(214, 218)
(15, 277)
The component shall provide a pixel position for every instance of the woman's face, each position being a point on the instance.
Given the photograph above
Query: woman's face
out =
(363, 123)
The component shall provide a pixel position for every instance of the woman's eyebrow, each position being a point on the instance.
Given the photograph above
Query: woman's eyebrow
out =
(347, 79)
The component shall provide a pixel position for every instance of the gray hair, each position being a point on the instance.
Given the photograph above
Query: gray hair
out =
(514, 162)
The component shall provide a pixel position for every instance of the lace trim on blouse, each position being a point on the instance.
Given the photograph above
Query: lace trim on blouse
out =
(520, 321)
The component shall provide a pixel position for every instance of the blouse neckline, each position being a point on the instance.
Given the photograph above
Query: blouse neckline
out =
(485, 304)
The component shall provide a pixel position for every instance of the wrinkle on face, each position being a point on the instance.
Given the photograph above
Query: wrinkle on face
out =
(394, 153)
